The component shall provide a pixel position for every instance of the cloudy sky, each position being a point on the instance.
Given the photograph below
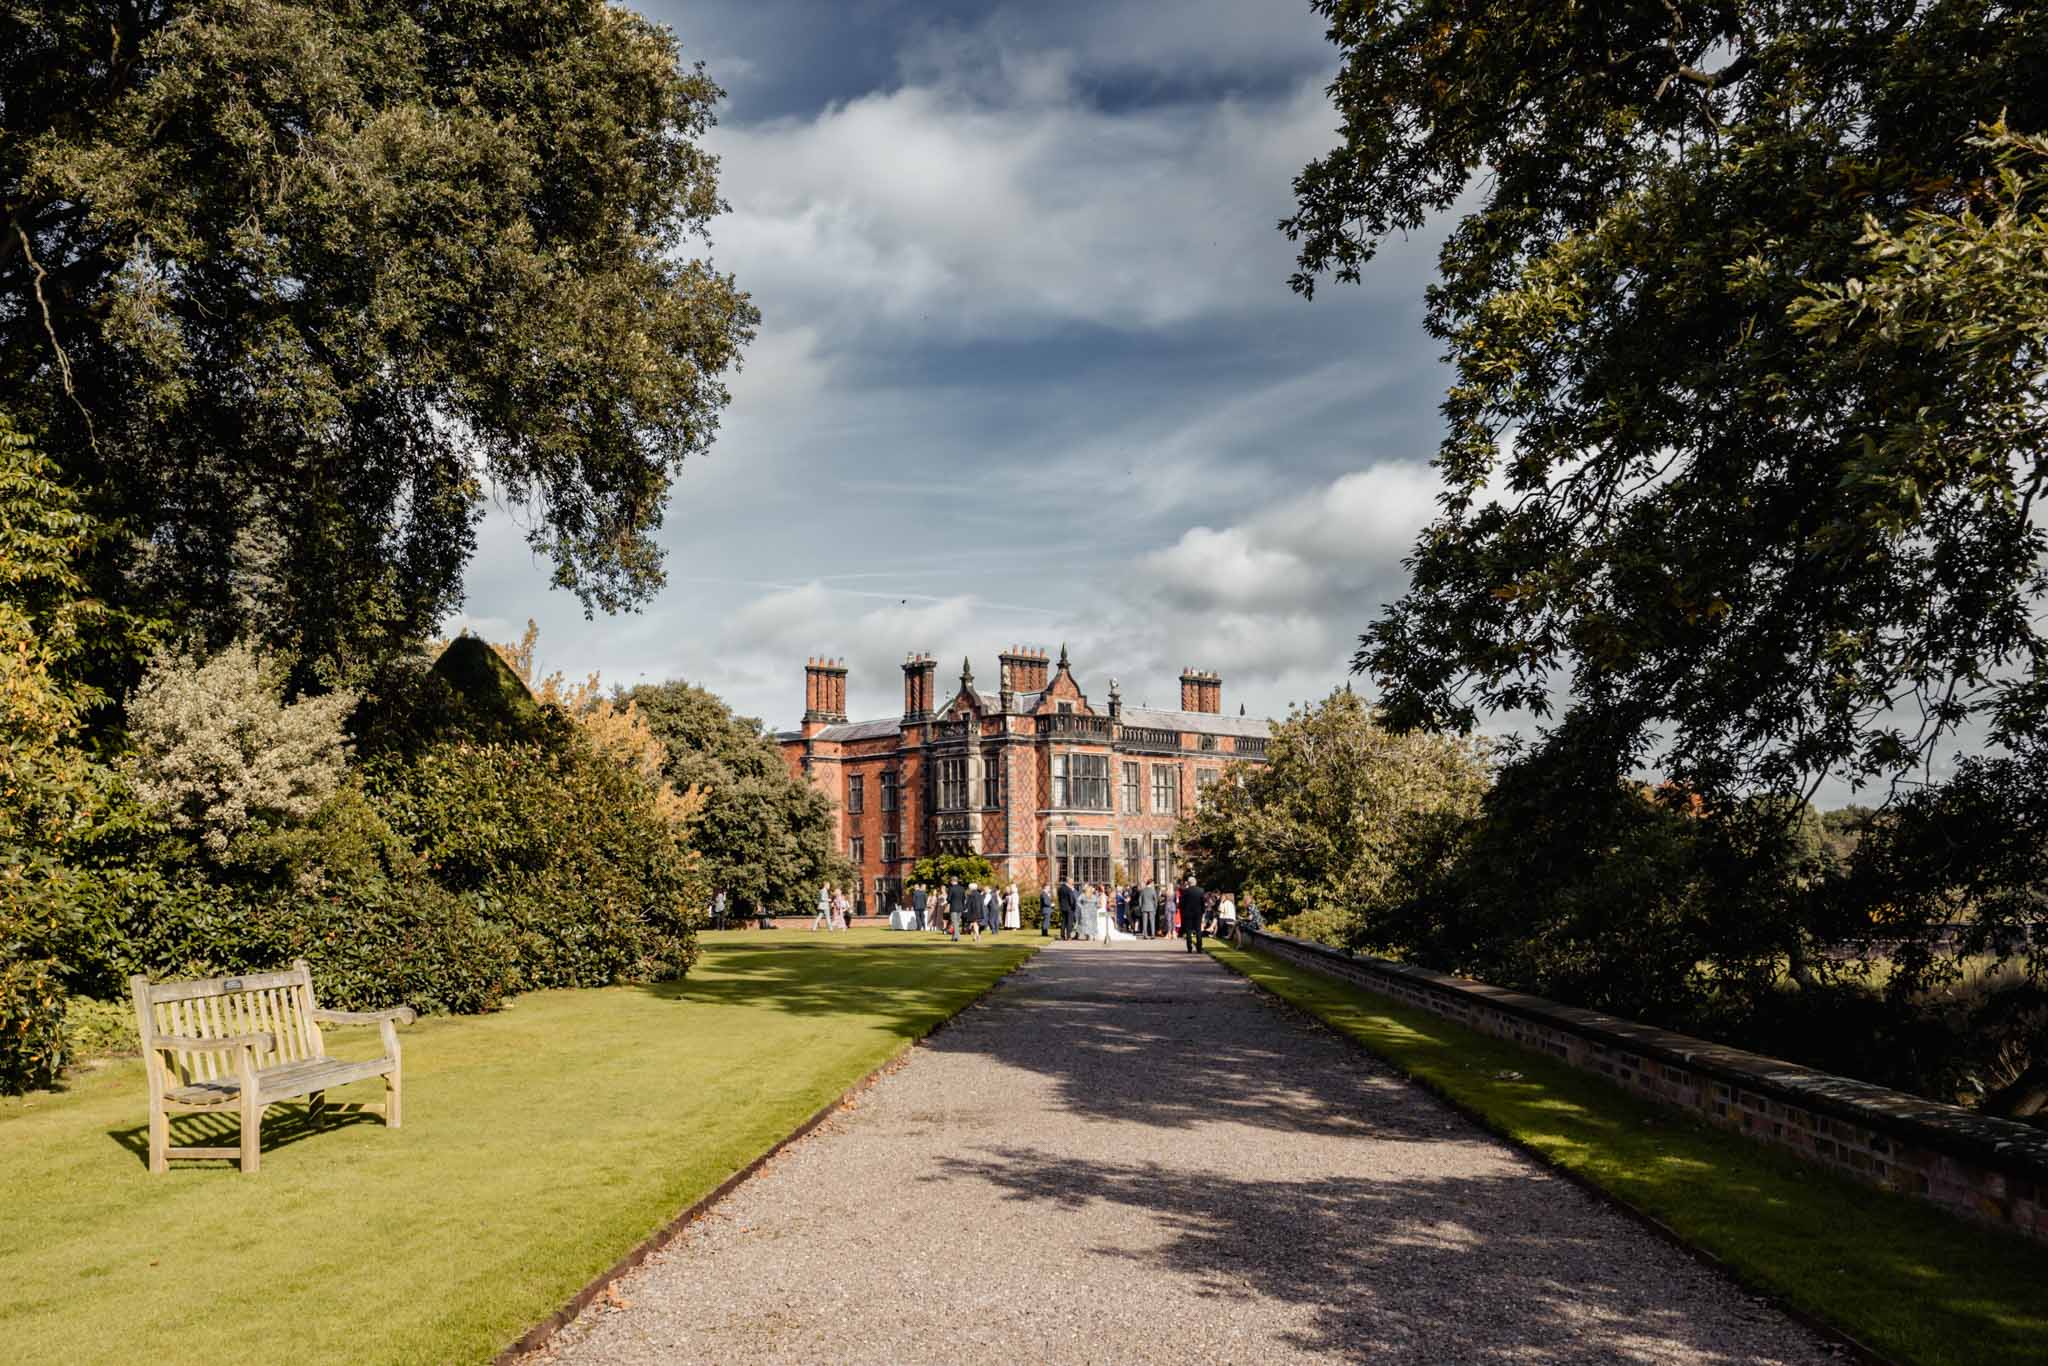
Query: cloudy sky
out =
(1029, 369)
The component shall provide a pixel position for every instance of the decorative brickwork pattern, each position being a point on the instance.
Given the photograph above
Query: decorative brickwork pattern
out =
(1987, 1169)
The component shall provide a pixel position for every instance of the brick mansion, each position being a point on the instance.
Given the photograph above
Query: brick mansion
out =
(1032, 777)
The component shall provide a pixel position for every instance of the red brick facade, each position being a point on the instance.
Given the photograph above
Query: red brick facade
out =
(1033, 777)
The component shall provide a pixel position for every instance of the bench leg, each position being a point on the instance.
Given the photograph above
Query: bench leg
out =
(252, 1132)
(159, 1139)
(391, 1099)
(316, 1107)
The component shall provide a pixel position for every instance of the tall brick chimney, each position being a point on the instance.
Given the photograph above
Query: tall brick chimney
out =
(1026, 667)
(824, 693)
(920, 676)
(1200, 691)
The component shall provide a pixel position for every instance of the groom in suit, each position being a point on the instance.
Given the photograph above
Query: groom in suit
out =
(956, 904)
(1070, 909)
(1191, 908)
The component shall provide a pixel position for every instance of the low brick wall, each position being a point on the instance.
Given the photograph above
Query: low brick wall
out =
(1988, 1169)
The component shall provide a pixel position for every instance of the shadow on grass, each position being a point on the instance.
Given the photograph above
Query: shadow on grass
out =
(907, 987)
(282, 1127)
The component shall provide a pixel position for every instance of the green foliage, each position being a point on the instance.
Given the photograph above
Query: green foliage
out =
(32, 1038)
(371, 943)
(100, 1029)
(1328, 822)
(286, 282)
(1746, 429)
(1325, 925)
(492, 696)
(764, 836)
(216, 748)
(935, 870)
(561, 848)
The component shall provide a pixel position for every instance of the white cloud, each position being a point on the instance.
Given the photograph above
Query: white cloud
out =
(1229, 567)
(935, 209)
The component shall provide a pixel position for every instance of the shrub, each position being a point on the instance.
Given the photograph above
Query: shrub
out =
(373, 943)
(217, 749)
(563, 849)
(1324, 924)
(99, 1029)
(32, 1002)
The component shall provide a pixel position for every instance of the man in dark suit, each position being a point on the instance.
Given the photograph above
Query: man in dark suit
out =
(918, 901)
(956, 904)
(1191, 914)
(1070, 909)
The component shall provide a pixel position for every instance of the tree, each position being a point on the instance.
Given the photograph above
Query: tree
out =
(936, 870)
(765, 836)
(1328, 823)
(1746, 434)
(284, 283)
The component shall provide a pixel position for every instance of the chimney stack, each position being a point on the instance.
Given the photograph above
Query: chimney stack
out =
(920, 674)
(824, 693)
(1200, 691)
(1027, 668)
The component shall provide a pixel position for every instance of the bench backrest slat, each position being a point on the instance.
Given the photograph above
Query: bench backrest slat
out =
(279, 1004)
(218, 986)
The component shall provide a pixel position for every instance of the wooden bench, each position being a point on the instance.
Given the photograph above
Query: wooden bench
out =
(239, 1044)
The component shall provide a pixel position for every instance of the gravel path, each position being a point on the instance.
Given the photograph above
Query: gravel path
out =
(1128, 1154)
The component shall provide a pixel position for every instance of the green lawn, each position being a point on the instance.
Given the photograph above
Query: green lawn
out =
(540, 1144)
(1911, 1282)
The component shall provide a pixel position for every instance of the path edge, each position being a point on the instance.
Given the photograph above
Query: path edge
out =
(542, 1333)
(1830, 1332)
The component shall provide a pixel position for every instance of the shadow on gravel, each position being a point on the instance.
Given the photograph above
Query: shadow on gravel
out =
(1417, 1270)
(1153, 1036)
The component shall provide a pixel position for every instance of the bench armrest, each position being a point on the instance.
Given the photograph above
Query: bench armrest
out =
(185, 1043)
(396, 1015)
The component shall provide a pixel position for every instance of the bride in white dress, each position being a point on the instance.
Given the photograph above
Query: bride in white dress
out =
(1102, 921)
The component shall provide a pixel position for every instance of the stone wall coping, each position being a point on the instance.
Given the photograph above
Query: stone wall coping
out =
(2003, 1144)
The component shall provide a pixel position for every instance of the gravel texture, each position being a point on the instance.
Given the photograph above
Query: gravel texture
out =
(1126, 1153)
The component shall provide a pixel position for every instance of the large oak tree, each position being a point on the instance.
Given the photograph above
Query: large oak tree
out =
(289, 286)
(1747, 304)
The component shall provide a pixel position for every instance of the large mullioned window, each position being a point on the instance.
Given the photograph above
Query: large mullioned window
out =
(952, 784)
(1083, 858)
(1081, 781)
(1165, 790)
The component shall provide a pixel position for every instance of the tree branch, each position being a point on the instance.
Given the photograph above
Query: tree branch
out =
(50, 328)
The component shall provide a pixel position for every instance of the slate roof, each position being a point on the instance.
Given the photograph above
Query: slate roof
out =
(861, 730)
(1201, 722)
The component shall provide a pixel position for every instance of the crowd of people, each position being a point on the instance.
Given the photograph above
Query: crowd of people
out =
(1095, 911)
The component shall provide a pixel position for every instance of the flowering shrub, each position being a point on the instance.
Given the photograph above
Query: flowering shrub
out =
(221, 754)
